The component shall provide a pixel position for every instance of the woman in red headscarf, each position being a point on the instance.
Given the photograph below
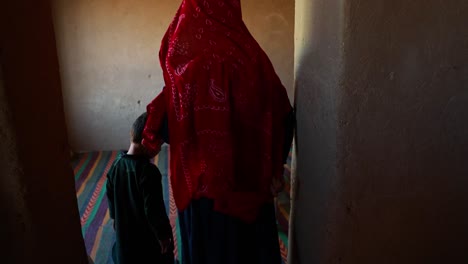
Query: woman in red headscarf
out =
(228, 118)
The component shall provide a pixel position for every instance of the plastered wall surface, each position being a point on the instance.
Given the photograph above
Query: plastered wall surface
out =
(404, 134)
(395, 115)
(40, 221)
(318, 66)
(110, 69)
(271, 22)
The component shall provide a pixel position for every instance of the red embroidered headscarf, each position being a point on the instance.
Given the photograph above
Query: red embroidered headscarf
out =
(225, 107)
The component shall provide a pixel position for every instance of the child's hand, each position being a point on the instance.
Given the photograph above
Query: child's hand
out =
(165, 245)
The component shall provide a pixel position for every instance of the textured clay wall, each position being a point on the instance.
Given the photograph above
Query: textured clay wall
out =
(40, 221)
(383, 142)
(317, 67)
(403, 158)
(110, 69)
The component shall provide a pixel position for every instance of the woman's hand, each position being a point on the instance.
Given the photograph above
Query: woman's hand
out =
(277, 186)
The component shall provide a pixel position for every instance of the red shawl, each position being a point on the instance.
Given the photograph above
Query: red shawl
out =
(225, 107)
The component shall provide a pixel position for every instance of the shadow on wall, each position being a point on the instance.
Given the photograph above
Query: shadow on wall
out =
(318, 69)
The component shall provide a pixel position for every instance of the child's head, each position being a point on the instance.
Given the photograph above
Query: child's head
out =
(137, 129)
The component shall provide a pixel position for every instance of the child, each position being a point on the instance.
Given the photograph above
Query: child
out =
(134, 191)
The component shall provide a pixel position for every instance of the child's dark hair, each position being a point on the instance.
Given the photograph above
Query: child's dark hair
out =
(137, 128)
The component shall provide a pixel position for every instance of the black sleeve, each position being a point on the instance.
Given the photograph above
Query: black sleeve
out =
(290, 123)
(151, 188)
(110, 194)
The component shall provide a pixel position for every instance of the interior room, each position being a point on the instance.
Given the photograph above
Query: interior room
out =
(377, 173)
(110, 72)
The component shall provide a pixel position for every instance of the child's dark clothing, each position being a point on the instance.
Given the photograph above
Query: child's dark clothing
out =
(136, 204)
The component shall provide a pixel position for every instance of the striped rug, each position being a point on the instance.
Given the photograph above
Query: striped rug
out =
(90, 178)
